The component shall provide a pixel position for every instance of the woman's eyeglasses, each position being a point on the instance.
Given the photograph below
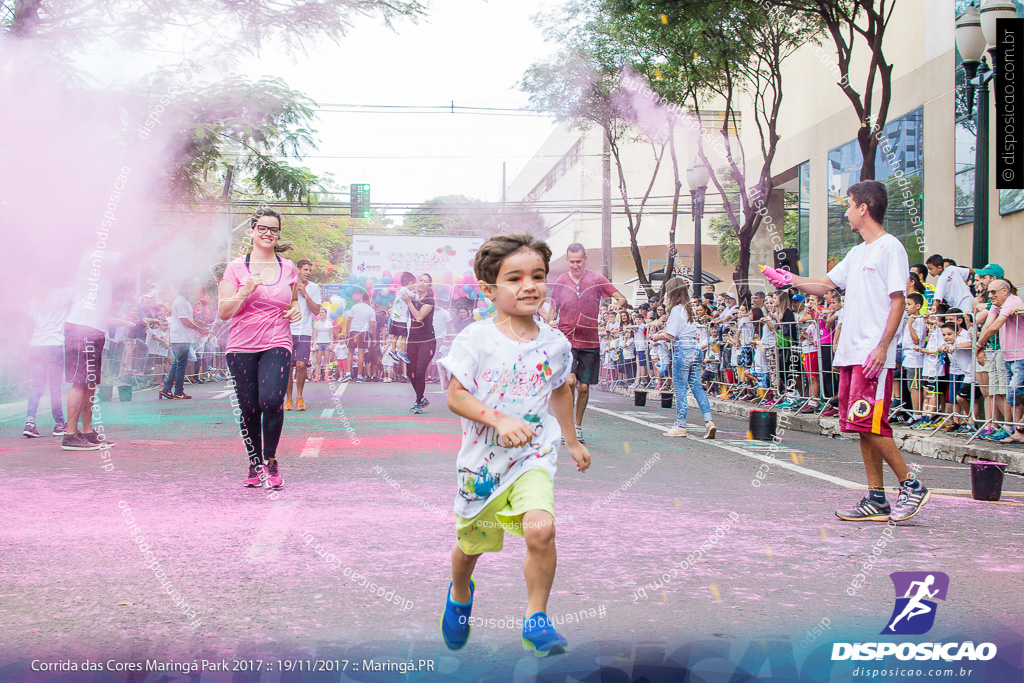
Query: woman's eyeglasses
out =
(264, 229)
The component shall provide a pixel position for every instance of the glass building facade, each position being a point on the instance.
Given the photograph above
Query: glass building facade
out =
(899, 163)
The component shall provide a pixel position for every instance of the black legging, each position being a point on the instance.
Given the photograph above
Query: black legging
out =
(260, 380)
(420, 352)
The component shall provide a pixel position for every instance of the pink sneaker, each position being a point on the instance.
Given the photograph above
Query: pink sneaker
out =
(253, 480)
(273, 475)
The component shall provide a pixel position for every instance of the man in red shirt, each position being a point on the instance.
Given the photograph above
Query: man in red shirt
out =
(577, 296)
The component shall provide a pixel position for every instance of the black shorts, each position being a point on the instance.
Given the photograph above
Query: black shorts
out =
(357, 340)
(965, 390)
(83, 354)
(586, 364)
(300, 348)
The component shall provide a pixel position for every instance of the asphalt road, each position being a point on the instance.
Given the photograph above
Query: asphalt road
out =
(367, 499)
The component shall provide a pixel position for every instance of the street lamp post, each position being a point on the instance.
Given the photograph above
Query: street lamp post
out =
(974, 31)
(697, 178)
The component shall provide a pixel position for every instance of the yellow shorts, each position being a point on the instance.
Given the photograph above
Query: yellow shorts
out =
(486, 532)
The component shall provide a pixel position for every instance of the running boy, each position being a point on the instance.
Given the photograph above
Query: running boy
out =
(507, 380)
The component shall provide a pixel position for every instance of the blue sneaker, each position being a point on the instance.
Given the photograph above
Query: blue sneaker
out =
(455, 626)
(997, 435)
(404, 358)
(360, 380)
(541, 638)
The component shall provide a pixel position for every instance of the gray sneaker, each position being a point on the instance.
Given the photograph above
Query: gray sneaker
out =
(910, 502)
(865, 511)
(579, 434)
(75, 442)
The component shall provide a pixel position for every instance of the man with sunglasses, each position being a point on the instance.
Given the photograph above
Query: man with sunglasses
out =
(993, 365)
(1009, 322)
(577, 299)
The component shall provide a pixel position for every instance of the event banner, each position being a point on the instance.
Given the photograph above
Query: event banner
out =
(373, 255)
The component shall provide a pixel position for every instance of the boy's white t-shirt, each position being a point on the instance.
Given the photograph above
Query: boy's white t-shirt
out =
(962, 358)
(870, 273)
(952, 288)
(640, 338)
(931, 360)
(400, 309)
(911, 358)
(516, 379)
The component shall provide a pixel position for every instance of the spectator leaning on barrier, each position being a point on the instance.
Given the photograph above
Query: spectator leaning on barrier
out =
(1010, 325)
(951, 282)
(992, 376)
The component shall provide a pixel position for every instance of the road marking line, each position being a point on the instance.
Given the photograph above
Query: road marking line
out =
(223, 394)
(845, 483)
(327, 412)
(312, 448)
(341, 389)
(839, 481)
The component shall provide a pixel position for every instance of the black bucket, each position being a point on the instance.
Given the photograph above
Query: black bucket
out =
(124, 393)
(987, 479)
(666, 399)
(761, 425)
(105, 393)
(639, 397)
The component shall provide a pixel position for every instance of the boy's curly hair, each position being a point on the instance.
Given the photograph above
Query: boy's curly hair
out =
(494, 251)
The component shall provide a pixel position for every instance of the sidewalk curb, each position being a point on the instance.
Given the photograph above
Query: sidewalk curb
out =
(909, 442)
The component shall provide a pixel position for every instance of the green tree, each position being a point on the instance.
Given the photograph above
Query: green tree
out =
(582, 87)
(719, 50)
(850, 23)
(721, 230)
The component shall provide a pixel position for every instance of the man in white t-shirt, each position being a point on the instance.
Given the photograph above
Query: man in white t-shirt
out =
(951, 284)
(183, 330)
(362, 320)
(310, 300)
(874, 275)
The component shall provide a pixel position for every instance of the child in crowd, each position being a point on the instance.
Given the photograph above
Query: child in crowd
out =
(809, 335)
(958, 345)
(930, 372)
(913, 360)
(745, 356)
(640, 348)
(507, 380)
(340, 354)
(628, 363)
(400, 319)
(388, 363)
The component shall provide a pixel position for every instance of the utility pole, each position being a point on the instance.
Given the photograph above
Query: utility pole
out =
(606, 207)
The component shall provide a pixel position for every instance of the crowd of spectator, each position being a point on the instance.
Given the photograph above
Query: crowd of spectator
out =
(960, 354)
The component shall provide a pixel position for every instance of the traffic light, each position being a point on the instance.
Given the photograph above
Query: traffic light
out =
(359, 200)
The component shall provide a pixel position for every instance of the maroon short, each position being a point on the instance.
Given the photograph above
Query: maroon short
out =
(864, 403)
(83, 354)
(358, 340)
